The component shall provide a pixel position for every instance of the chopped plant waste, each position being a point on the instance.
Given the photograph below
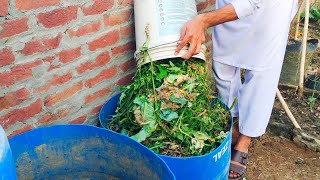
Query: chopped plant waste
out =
(169, 109)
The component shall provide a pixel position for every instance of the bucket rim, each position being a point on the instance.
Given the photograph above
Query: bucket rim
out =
(168, 50)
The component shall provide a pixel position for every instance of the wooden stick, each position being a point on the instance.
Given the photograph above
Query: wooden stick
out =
(286, 108)
(298, 19)
(304, 48)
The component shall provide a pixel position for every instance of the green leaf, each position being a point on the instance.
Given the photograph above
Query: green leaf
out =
(140, 100)
(217, 127)
(124, 132)
(123, 95)
(168, 115)
(142, 135)
(148, 112)
(182, 101)
(180, 136)
(172, 78)
(190, 86)
(163, 73)
(174, 68)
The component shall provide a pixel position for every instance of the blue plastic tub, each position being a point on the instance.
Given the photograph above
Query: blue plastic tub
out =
(212, 166)
(84, 152)
(7, 170)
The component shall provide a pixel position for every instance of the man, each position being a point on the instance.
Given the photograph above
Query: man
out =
(248, 34)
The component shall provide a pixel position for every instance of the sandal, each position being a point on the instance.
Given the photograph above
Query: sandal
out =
(242, 158)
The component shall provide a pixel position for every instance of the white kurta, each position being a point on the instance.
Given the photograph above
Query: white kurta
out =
(255, 39)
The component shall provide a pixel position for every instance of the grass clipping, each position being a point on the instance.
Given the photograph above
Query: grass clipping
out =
(168, 108)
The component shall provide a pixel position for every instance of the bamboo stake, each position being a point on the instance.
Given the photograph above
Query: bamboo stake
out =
(286, 108)
(304, 48)
(298, 19)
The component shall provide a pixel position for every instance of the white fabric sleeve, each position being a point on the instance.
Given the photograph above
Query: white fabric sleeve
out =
(245, 8)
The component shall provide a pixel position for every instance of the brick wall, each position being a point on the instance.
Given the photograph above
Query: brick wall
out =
(60, 60)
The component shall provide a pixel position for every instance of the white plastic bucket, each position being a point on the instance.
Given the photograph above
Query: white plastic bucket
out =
(164, 19)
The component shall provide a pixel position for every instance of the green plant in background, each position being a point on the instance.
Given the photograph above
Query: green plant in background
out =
(314, 12)
(312, 101)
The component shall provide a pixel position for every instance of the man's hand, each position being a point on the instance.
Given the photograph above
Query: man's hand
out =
(193, 33)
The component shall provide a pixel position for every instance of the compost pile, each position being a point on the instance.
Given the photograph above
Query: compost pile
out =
(168, 108)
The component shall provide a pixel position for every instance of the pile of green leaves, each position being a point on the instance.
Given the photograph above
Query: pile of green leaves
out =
(168, 108)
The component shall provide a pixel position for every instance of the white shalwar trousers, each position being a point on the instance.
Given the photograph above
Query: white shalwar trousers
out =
(255, 96)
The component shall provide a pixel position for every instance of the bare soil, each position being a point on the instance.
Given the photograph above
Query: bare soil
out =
(277, 158)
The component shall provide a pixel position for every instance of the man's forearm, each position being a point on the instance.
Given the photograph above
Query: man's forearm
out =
(219, 16)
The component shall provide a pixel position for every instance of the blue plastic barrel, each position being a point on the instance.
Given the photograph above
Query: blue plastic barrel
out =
(212, 166)
(84, 152)
(7, 170)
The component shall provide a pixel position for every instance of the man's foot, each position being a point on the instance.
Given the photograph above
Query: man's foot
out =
(239, 158)
(235, 131)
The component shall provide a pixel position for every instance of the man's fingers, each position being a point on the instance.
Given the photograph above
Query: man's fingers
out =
(181, 45)
(182, 40)
(191, 51)
(183, 32)
(198, 49)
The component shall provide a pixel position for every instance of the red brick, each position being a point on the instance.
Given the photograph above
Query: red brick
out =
(129, 47)
(128, 65)
(41, 45)
(21, 130)
(61, 96)
(98, 7)
(58, 17)
(49, 118)
(128, 79)
(104, 75)
(13, 27)
(79, 120)
(96, 95)
(69, 55)
(6, 57)
(123, 3)
(212, 2)
(6, 79)
(85, 30)
(117, 18)
(202, 6)
(34, 4)
(12, 99)
(18, 73)
(127, 30)
(55, 81)
(4, 7)
(96, 110)
(24, 71)
(50, 60)
(101, 60)
(20, 115)
(106, 40)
